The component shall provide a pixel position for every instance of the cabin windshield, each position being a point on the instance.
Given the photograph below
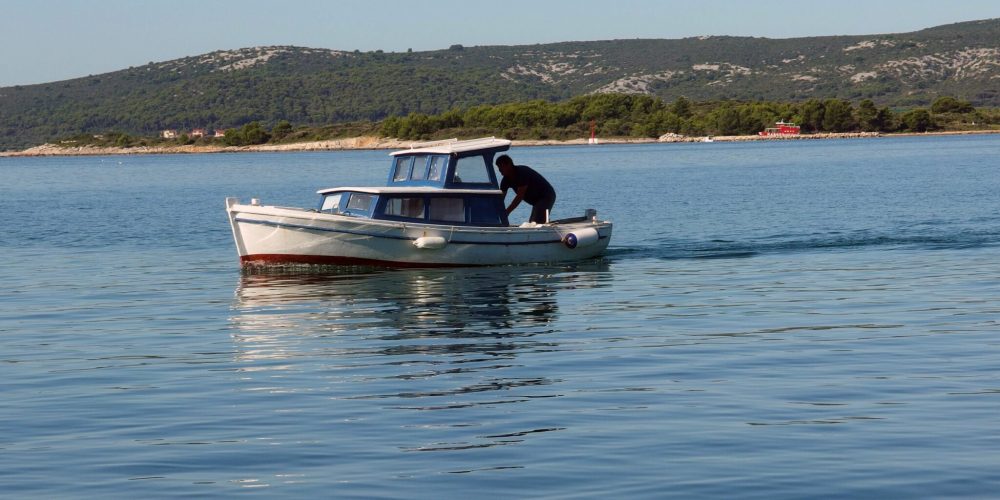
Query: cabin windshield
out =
(331, 203)
(436, 168)
(347, 203)
(427, 170)
(401, 169)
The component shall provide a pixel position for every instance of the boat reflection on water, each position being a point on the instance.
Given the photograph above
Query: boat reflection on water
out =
(413, 342)
(369, 307)
(447, 303)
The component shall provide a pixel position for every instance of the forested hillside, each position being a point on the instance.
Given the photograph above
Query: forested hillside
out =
(228, 89)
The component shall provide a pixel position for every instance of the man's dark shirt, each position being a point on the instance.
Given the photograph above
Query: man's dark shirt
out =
(538, 188)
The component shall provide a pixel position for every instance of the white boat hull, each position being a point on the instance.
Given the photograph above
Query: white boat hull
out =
(267, 235)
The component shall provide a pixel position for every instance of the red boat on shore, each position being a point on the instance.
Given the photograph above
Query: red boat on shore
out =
(781, 128)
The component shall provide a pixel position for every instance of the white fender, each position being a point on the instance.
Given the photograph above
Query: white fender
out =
(430, 242)
(579, 239)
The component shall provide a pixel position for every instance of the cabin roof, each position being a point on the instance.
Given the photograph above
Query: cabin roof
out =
(420, 190)
(449, 146)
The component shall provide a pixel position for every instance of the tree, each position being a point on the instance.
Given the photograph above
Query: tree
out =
(885, 120)
(390, 126)
(607, 106)
(725, 120)
(918, 120)
(255, 134)
(760, 115)
(838, 115)
(251, 133)
(122, 140)
(681, 107)
(451, 119)
(811, 112)
(282, 129)
(867, 116)
(946, 104)
(659, 123)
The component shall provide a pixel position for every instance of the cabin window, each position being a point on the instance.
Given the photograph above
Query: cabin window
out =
(405, 207)
(360, 202)
(419, 168)
(472, 169)
(331, 203)
(436, 168)
(402, 168)
(447, 209)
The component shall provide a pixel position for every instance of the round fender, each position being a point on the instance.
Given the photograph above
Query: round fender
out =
(430, 242)
(579, 239)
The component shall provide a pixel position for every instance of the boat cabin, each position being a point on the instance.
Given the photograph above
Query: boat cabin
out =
(446, 182)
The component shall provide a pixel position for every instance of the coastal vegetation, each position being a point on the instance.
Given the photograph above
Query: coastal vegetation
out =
(610, 115)
(739, 80)
(630, 115)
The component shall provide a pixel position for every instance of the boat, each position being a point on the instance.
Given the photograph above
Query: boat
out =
(708, 138)
(781, 128)
(441, 206)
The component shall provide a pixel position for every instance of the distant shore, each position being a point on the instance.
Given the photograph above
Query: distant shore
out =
(372, 142)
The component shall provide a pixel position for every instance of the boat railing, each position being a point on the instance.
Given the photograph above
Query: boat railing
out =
(426, 144)
(454, 141)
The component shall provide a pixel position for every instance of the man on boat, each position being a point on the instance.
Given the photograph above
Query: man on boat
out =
(528, 186)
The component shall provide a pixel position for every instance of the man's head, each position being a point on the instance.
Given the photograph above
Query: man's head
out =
(505, 165)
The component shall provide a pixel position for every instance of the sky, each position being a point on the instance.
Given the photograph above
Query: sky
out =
(50, 40)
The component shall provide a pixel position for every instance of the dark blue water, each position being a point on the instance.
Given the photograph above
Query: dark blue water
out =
(773, 320)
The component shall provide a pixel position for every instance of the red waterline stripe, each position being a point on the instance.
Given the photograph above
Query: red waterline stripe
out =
(263, 259)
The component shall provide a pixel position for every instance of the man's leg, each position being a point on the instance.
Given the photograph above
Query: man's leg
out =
(540, 211)
(538, 214)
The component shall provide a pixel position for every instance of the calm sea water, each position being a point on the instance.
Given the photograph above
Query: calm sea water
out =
(772, 320)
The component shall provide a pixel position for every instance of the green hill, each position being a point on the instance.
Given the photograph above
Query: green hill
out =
(306, 86)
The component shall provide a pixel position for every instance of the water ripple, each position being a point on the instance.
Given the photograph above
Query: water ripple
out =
(766, 326)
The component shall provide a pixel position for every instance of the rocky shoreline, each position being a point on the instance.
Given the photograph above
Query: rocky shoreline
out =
(372, 142)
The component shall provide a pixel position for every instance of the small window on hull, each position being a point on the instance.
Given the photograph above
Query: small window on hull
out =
(486, 211)
(447, 209)
(412, 208)
(360, 202)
